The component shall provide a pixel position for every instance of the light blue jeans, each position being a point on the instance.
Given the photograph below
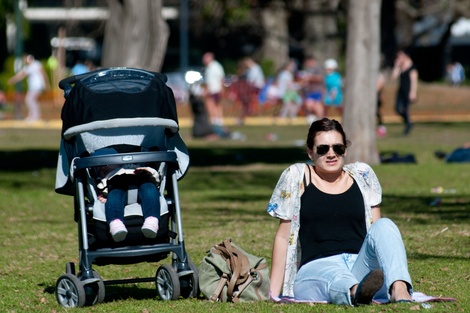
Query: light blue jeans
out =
(329, 279)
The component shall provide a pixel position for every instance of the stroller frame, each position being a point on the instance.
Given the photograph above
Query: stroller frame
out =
(87, 287)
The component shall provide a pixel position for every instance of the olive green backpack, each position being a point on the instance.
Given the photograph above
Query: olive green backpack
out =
(230, 274)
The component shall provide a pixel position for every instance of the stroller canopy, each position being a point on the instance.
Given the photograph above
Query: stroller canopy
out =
(117, 93)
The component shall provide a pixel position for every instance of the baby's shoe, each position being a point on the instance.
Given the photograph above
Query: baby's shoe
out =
(118, 230)
(150, 227)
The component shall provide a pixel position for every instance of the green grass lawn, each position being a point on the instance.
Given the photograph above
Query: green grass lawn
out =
(225, 194)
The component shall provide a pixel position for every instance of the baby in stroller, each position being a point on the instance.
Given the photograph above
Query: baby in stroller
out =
(114, 182)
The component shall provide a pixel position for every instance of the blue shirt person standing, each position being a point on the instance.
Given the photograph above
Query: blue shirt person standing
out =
(334, 86)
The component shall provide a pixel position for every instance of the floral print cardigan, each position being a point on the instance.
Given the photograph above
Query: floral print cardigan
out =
(285, 205)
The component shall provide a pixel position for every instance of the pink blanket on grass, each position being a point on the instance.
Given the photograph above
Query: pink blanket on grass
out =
(417, 297)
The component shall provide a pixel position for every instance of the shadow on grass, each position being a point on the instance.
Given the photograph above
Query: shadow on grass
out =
(35, 159)
(225, 208)
(422, 256)
(125, 292)
(26, 160)
(430, 209)
(120, 292)
(245, 156)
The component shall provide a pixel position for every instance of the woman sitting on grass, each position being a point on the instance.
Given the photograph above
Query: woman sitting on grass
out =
(332, 244)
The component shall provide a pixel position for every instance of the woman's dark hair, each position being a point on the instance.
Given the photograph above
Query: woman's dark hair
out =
(325, 125)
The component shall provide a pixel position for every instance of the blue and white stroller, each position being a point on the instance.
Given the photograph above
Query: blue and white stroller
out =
(134, 109)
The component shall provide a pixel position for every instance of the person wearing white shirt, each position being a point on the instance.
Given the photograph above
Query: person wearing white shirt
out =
(254, 74)
(214, 76)
(37, 83)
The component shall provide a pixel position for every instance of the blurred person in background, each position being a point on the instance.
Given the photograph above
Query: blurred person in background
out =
(381, 129)
(79, 68)
(288, 89)
(254, 74)
(214, 75)
(241, 90)
(405, 71)
(334, 87)
(37, 83)
(455, 73)
(256, 81)
(312, 83)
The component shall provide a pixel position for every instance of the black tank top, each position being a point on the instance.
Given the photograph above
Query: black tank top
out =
(331, 224)
(405, 82)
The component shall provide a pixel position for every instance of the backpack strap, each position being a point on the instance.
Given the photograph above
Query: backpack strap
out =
(230, 280)
(240, 289)
(261, 278)
(241, 272)
(254, 272)
(218, 290)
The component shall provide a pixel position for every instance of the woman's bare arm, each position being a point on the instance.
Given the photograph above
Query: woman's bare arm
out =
(376, 214)
(281, 240)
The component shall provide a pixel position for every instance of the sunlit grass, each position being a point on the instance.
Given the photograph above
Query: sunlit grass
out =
(38, 235)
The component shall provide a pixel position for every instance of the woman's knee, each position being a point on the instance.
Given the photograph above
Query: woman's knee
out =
(311, 289)
(384, 222)
(332, 283)
(384, 225)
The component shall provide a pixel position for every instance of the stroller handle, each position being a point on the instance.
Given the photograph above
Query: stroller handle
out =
(125, 158)
(66, 83)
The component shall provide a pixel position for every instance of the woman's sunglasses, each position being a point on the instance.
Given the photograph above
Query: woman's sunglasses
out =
(338, 148)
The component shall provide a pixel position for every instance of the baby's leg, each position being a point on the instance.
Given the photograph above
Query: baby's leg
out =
(150, 202)
(115, 213)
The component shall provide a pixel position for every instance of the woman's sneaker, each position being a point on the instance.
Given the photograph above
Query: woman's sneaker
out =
(118, 230)
(150, 227)
(368, 287)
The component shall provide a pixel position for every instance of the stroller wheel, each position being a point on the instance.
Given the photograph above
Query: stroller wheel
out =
(95, 292)
(70, 292)
(190, 283)
(167, 283)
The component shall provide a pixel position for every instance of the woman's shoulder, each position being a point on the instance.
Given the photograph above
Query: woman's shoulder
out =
(294, 169)
(299, 167)
(358, 167)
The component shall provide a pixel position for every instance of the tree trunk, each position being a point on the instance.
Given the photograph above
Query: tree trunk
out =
(321, 29)
(276, 40)
(136, 35)
(362, 67)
